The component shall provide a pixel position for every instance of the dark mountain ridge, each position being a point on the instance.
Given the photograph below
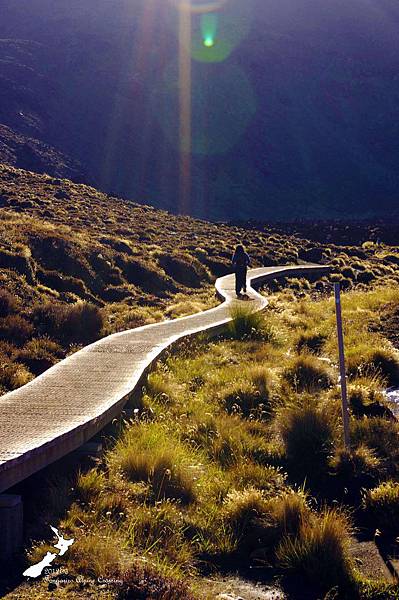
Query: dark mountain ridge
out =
(311, 90)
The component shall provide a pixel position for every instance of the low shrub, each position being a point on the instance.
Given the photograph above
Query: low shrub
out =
(15, 329)
(381, 505)
(13, 375)
(307, 373)
(8, 303)
(40, 354)
(69, 323)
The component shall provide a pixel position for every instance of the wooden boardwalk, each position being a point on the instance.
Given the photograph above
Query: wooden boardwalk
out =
(67, 405)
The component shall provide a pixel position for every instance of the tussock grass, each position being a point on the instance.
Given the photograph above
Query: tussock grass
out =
(384, 362)
(308, 437)
(310, 342)
(319, 554)
(307, 373)
(380, 435)
(247, 399)
(146, 581)
(8, 303)
(381, 505)
(97, 554)
(243, 508)
(248, 324)
(15, 329)
(157, 459)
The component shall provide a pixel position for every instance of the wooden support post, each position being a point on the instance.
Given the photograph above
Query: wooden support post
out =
(11, 525)
(342, 369)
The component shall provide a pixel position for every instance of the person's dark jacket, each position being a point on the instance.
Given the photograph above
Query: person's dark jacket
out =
(240, 260)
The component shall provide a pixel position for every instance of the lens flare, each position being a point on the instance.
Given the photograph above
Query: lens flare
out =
(215, 35)
(209, 27)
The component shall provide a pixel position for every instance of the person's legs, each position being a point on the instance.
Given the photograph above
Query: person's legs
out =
(238, 284)
(240, 281)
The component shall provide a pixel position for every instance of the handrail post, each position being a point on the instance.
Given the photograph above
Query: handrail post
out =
(342, 369)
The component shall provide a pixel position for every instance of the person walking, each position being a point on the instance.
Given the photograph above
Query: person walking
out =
(241, 262)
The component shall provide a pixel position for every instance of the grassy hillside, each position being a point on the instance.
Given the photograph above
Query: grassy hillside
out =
(77, 264)
(235, 461)
(234, 458)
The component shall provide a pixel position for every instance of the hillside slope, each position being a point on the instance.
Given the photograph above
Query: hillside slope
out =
(76, 264)
(312, 91)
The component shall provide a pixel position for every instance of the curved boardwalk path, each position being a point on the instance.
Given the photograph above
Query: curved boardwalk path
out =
(71, 402)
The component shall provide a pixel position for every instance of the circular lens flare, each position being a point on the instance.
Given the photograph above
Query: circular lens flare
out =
(209, 42)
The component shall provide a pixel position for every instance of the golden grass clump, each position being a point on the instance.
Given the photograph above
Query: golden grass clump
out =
(319, 553)
(156, 458)
(363, 360)
(380, 435)
(308, 438)
(381, 505)
(247, 324)
(305, 373)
